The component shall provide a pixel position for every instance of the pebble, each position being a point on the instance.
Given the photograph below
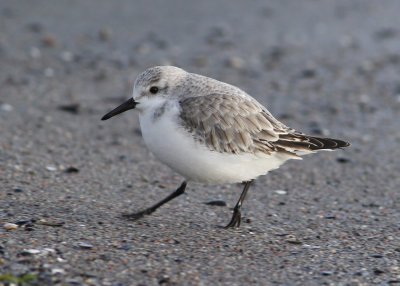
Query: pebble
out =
(124, 247)
(378, 271)
(35, 27)
(342, 160)
(51, 168)
(9, 226)
(49, 41)
(105, 34)
(49, 223)
(18, 190)
(34, 52)
(27, 252)
(71, 108)
(200, 61)
(6, 107)
(235, 62)
(67, 56)
(57, 271)
(218, 203)
(49, 72)
(280, 192)
(85, 245)
(71, 169)
(22, 222)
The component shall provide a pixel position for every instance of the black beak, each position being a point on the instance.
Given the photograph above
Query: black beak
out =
(127, 105)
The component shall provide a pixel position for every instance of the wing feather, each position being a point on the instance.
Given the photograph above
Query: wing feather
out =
(236, 124)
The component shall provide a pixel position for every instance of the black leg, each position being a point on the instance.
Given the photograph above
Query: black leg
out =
(179, 191)
(236, 217)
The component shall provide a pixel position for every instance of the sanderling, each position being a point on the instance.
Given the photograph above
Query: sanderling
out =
(212, 132)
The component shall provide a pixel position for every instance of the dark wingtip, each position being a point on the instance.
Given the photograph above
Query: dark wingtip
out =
(327, 143)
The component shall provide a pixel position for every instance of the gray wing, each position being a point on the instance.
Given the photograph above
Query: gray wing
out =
(233, 124)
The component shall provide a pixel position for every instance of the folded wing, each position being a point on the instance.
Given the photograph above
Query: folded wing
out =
(234, 124)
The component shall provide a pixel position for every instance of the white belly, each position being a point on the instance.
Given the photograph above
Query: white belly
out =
(172, 146)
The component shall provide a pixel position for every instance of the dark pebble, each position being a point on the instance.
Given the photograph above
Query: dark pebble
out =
(18, 190)
(308, 73)
(386, 33)
(35, 27)
(163, 281)
(21, 222)
(50, 223)
(71, 108)
(329, 217)
(326, 273)
(71, 169)
(377, 255)
(371, 205)
(378, 271)
(342, 160)
(218, 203)
(29, 228)
(124, 247)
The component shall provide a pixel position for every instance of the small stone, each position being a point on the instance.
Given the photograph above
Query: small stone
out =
(308, 73)
(57, 271)
(18, 190)
(200, 61)
(71, 108)
(49, 41)
(326, 273)
(66, 56)
(280, 192)
(235, 62)
(293, 241)
(22, 222)
(85, 245)
(71, 169)
(49, 223)
(377, 255)
(49, 72)
(218, 203)
(124, 247)
(34, 52)
(342, 160)
(386, 33)
(35, 27)
(6, 107)
(27, 252)
(105, 34)
(51, 168)
(10, 226)
(378, 271)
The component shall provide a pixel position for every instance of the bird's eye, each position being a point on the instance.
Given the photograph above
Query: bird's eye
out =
(153, 89)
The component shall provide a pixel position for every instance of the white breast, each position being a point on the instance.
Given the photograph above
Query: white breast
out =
(175, 147)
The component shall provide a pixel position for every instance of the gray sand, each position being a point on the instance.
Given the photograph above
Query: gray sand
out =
(328, 68)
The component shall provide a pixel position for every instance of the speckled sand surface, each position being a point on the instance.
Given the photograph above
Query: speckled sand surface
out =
(323, 67)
